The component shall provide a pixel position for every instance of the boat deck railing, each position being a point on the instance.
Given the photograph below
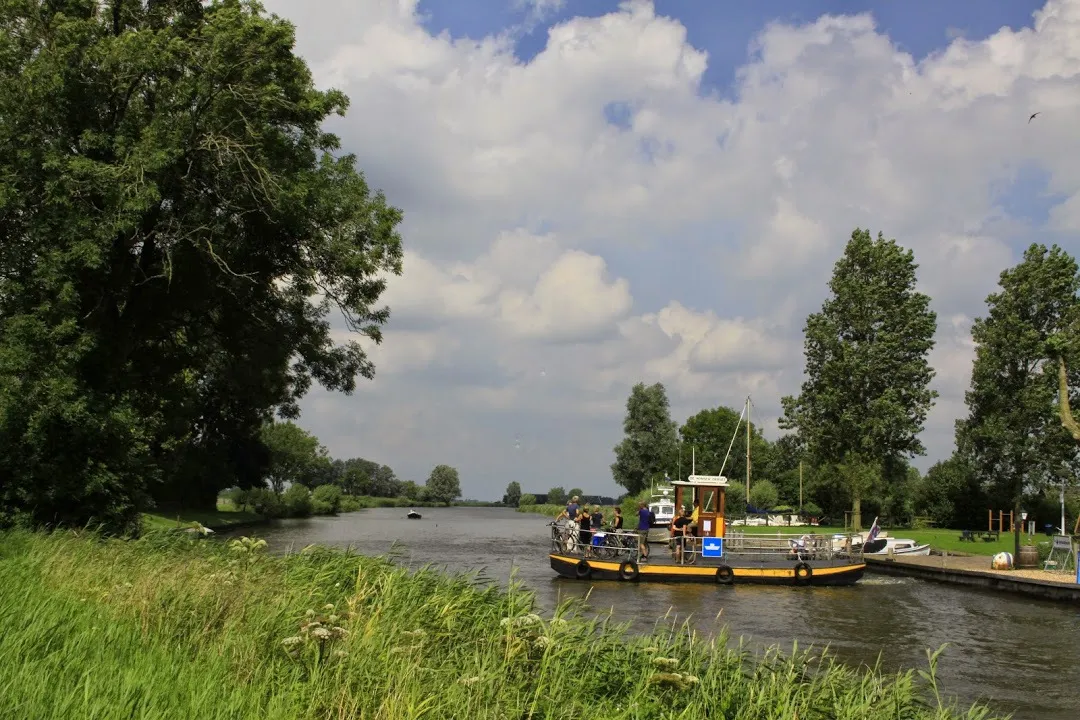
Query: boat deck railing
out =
(624, 545)
(806, 546)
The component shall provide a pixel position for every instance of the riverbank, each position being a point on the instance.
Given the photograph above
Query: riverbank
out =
(975, 571)
(191, 628)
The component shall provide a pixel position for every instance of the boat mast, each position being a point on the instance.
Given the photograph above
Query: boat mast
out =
(748, 448)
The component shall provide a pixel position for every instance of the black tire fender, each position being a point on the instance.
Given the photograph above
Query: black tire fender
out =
(628, 571)
(803, 574)
(725, 575)
(583, 569)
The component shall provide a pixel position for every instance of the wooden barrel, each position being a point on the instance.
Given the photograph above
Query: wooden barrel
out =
(1028, 557)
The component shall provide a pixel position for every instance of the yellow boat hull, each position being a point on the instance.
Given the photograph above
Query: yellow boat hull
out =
(726, 572)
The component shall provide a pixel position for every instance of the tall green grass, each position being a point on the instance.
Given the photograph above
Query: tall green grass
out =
(172, 627)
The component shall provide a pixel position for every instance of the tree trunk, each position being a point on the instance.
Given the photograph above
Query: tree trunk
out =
(856, 510)
(1067, 420)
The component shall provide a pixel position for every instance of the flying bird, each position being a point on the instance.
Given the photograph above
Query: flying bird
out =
(1033, 116)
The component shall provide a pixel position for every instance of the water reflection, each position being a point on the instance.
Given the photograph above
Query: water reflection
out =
(1011, 649)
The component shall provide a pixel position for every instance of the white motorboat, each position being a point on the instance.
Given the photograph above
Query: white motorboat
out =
(897, 546)
(662, 505)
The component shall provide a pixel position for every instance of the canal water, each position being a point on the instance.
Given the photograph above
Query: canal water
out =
(1018, 654)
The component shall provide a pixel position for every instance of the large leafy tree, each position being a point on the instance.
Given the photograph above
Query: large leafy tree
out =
(443, 485)
(650, 446)
(296, 456)
(707, 436)
(1012, 437)
(867, 391)
(513, 494)
(175, 229)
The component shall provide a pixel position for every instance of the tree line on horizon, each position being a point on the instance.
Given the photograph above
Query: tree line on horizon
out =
(855, 424)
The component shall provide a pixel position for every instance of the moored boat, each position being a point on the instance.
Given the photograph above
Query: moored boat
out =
(662, 506)
(413, 515)
(895, 546)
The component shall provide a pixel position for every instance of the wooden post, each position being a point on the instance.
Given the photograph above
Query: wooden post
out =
(990, 522)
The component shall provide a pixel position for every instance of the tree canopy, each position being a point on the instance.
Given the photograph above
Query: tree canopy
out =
(867, 391)
(296, 456)
(650, 446)
(443, 484)
(1012, 437)
(175, 230)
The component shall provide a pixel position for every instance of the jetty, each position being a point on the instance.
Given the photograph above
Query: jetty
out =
(975, 571)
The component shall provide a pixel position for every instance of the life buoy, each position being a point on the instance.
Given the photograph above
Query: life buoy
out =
(725, 575)
(628, 570)
(583, 570)
(803, 573)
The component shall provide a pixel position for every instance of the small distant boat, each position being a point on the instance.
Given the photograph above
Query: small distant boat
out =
(413, 515)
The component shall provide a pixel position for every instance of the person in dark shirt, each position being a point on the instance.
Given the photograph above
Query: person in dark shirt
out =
(643, 525)
(679, 529)
(597, 518)
(616, 522)
(584, 530)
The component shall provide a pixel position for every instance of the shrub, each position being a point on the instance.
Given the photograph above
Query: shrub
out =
(527, 499)
(263, 501)
(350, 503)
(297, 501)
(326, 500)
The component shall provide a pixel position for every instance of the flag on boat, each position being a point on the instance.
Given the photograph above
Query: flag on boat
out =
(874, 530)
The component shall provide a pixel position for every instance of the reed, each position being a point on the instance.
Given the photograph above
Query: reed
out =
(168, 626)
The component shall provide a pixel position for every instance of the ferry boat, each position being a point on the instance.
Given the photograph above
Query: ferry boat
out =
(710, 553)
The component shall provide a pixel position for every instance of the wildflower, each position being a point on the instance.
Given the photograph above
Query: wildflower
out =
(329, 607)
(310, 614)
(320, 633)
(340, 654)
(467, 681)
(652, 650)
(665, 663)
(673, 680)
(290, 641)
(544, 641)
(557, 623)
(332, 619)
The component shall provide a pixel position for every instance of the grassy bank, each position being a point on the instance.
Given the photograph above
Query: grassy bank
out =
(169, 626)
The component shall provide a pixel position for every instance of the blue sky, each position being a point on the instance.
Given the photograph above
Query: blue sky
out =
(725, 29)
(551, 263)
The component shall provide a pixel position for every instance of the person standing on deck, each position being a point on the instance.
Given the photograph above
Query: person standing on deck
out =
(643, 525)
(570, 512)
(585, 531)
(679, 528)
(616, 522)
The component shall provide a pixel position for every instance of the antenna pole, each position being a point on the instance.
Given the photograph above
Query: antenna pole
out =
(747, 448)
(693, 459)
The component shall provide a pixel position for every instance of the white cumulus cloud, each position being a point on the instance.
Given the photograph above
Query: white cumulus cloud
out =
(595, 216)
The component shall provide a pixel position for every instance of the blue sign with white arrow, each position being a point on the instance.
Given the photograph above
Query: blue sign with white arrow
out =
(712, 548)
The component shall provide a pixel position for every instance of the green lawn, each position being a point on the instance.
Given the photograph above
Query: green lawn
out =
(938, 538)
(225, 516)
